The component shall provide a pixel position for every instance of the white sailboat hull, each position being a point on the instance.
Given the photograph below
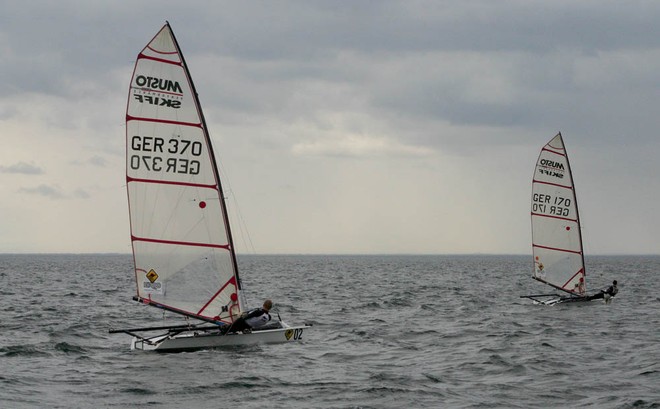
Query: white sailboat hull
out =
(570, 300)
(560, 300)
(192, 340)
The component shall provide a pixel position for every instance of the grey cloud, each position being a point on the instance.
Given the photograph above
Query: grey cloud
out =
(305, 31)
(97, 161)
(44, 190)
(81, 194)
(54, 192)
(22, 168)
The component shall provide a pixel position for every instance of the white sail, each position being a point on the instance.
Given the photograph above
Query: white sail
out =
(182, 247)
(556, 236)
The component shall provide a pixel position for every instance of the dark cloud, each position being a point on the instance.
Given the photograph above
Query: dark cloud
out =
(79, 38)
(478, 84)
(410, 60)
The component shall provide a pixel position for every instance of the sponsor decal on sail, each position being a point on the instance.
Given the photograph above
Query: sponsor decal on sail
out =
(168, 92)
(160, 101)
(154, 83)
(551, 168)
(152, 286)
(552, 164)
(152, 276)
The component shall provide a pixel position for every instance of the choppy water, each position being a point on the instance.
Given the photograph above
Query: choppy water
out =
(389, 332)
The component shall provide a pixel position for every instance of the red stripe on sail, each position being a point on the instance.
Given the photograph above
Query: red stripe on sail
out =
(180, 243)
(170, 182)
(554, 217)
(149, 301)
(232, 280)
(147, 57)
(162, 121)
(557, 249)
(571, 279)
(552, 184)
(162, 52)
(545, 148)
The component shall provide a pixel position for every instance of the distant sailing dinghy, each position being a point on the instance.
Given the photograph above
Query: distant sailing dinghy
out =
(182, 243)
(556, 235)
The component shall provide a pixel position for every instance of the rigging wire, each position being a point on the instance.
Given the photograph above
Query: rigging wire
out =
(246, 239)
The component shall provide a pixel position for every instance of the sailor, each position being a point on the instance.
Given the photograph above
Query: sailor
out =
(610, 292)
(252, 319)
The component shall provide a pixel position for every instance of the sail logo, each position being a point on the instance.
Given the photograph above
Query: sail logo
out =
(154, 83)
(169, 92)
(551, 168)
(152, 276)
(151, 286)
(159, 101)
(552, 164)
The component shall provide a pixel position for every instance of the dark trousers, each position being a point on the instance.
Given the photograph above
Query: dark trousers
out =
(597, 296)
(238, 325)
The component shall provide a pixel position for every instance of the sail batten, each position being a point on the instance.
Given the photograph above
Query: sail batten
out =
(168, 182)
(182, 246)
(180, 243)
(553, 184)
(546, 149)
(159, 52)
(556, 249)
(556, 235)
(164, 121)
(553, 217)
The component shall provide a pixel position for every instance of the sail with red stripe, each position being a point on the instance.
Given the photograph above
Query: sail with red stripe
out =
(556, 236)
(180, 233)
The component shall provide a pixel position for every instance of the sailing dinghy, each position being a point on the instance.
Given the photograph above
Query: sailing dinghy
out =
(556, 235)
(182, 244)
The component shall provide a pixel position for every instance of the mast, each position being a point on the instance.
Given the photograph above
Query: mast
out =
(213, 161)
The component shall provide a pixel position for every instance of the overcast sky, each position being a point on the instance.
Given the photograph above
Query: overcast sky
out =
(342, 127)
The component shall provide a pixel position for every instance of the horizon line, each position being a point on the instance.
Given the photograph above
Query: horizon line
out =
(337, 254)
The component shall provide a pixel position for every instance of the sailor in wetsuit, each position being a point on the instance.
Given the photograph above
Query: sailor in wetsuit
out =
(610, 292)
(252, 319)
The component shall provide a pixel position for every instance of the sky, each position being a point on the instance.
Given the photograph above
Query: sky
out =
(342, 127)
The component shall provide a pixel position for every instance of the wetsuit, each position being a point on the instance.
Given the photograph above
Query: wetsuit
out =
(252, 319)
(612, 291)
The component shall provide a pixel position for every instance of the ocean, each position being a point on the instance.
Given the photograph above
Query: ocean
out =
(388, 332)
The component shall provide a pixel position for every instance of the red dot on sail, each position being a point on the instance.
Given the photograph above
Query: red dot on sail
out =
(233, 297)
(568, 228)
(202, 204)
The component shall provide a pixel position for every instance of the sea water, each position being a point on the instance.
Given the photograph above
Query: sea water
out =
(389, 332)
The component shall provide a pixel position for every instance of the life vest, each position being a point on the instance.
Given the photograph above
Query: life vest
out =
(257, 319)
